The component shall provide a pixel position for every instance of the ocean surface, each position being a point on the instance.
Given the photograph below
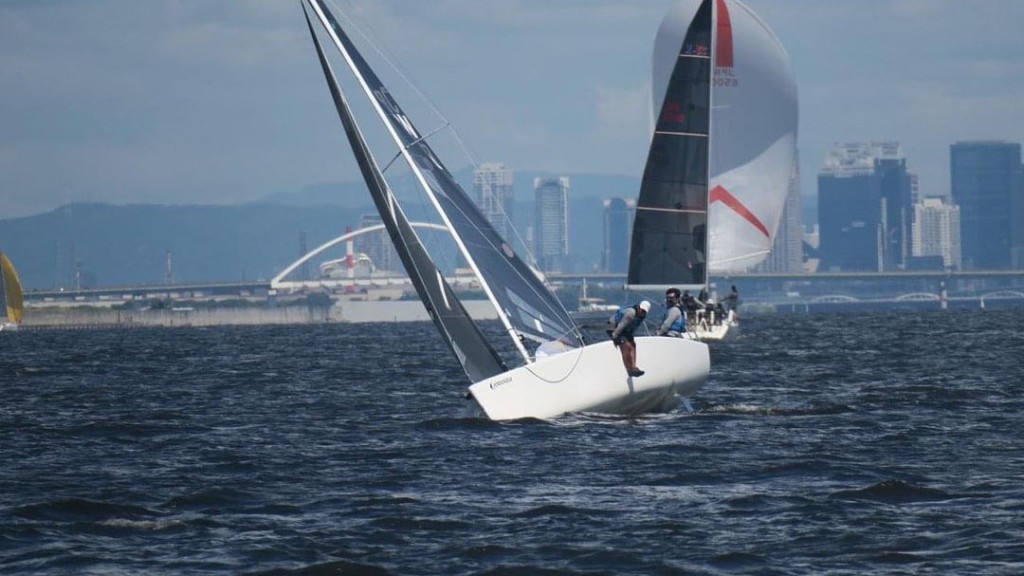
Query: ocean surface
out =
(822, 444)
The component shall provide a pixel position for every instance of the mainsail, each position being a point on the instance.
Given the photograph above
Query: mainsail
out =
(526, 307)
(670, 228)
(753, 128)
(11, 301)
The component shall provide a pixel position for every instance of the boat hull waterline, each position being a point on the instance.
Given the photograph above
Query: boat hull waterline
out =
(593, 379)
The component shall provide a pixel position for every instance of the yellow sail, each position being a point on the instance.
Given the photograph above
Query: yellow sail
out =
(11, 288)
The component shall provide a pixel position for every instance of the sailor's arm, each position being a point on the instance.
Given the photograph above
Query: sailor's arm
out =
(670, 317)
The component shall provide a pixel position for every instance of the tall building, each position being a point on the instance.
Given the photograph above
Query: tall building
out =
(494, 194)
(618, 229)
(987, 185)
(936, 232)
(787, 256)
(377, 245)
(551, 223)
(865, 208)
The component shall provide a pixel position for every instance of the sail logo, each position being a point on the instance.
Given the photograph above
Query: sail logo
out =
(724, 73)
(720, 194)
(673, 113)
(388, 103)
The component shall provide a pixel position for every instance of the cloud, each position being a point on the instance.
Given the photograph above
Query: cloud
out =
(212, 100)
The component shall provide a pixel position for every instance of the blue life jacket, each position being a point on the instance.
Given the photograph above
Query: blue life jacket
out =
(637, 320)
(680, 324)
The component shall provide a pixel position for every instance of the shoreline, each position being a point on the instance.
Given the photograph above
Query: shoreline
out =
(86, 317)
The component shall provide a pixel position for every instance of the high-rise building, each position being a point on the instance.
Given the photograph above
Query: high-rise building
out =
(936, 232)
(551, 223)
(494, 194)
(787, 255)
(618, 229)
(377, 245)
(987, 184)
(864, 208)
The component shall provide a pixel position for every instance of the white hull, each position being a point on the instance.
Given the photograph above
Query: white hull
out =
(593, 379)
(715, 332)
(706, 330)
(8, 326)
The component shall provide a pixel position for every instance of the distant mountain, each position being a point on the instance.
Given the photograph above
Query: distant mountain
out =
(122, 245)
(127, 245)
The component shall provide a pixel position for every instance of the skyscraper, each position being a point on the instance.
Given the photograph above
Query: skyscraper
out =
(551, 223)
(494, 194)
(618, 228)
(936, 232)
(987, 185)
(864, 208)
(897, 208)
(787, 254)
(377, 245)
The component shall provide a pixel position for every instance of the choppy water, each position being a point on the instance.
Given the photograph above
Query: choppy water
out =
(842, 444)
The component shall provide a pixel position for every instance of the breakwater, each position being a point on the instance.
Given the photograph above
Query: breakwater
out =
(88, 317)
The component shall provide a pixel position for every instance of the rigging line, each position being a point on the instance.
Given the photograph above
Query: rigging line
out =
(422, 138)
(579, 357)
(366, 31)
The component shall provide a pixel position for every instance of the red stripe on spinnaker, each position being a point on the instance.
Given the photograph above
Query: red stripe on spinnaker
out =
(723, 47)
(719, 194)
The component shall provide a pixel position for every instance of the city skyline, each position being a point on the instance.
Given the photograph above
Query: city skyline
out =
(209, 102)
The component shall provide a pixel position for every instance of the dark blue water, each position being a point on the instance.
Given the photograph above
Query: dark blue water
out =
(831, 444)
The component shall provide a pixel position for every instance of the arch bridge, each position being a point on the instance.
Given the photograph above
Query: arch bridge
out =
(279, 282)
(919, 297)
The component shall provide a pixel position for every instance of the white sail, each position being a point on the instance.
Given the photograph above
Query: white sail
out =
(753, 129)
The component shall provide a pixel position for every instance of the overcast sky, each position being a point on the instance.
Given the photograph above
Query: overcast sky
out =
(215, 101)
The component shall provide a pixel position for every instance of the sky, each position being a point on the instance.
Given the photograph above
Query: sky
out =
(218, 102)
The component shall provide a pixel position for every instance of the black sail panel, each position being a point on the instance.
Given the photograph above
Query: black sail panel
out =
(669, 244)
(478, 358)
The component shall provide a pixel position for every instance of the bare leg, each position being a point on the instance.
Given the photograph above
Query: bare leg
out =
(629, 357)
(627, 353)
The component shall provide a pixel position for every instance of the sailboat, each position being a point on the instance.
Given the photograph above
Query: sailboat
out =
(11, 301)
(722, 154)
(555, 369)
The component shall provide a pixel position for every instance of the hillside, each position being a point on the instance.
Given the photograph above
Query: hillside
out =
(121, 245)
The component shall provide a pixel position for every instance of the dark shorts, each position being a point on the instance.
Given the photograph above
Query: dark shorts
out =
(624, 337)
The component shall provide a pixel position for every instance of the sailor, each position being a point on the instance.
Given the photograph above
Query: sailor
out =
(690, 304)
(674, 323)
(625, 323)
(732, 301)
(732, 304)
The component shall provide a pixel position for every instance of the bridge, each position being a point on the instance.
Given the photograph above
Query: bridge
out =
(828, 290)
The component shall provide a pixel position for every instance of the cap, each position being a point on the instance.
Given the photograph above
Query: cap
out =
(645, 306)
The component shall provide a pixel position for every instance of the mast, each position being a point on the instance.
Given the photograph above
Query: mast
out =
(484, 284)
(712, 142)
